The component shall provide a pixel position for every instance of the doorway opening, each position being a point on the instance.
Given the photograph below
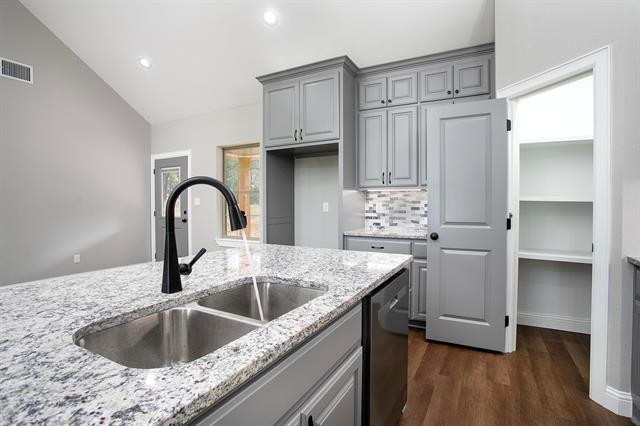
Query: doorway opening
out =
(559, 196)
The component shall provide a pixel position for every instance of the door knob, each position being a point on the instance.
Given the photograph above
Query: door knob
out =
(434, 236)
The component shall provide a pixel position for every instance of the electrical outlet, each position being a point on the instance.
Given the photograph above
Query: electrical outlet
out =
(76, 258)
(196, 201)
(325, 207)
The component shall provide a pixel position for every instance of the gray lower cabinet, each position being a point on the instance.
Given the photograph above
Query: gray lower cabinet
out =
(418, 308)
(418, 279)
(388, 148)
(321, 380)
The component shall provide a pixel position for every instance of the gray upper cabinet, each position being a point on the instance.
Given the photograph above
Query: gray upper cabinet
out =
(436, 82)
(372, 148)
(319, 107)
(402, 147)
(281, 113)
(372, 93)
(471, 77)
(402, 89)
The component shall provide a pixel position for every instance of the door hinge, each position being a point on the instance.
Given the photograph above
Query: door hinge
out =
(506, 321)
(509, 216)
(155, 256)
(508, 125)
(154, 171)
(154, 213)
(592, 247)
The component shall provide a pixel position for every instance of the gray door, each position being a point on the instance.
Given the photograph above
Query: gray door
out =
(436, 83)
(168, 173)
(372, 93)
(471, 77)
(422, 144)
(467, 174)
(402, 146)
(319, 108)
(372, 148)
(419, 290)
(281, 113)
(402, 89)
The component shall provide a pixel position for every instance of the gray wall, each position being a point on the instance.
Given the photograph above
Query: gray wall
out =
(74, 162)
(534, 36)
(205, 135)
(316, 182)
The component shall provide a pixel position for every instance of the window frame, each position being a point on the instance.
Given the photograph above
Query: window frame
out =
(223, 233)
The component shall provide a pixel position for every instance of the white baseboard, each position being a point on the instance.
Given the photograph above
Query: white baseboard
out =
(556, 322)
(618, 402)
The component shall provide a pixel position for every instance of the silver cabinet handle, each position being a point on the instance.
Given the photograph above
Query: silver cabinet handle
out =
(301, 134)
(389, 178)
(383, 178)
(378, 247)
(295, 135)
(394, 303)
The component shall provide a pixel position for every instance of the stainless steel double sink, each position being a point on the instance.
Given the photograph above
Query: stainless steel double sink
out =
(186, 333)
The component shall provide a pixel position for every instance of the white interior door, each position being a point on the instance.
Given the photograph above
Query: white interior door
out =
(467, 173)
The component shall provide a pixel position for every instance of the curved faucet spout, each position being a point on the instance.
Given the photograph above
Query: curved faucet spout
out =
(171, 282)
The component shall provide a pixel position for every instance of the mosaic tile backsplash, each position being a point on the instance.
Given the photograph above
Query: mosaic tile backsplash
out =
(396, 210)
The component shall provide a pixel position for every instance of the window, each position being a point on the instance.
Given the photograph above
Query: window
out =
(241, 173)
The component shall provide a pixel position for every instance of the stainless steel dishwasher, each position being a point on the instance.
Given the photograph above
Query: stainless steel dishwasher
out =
(386, 327)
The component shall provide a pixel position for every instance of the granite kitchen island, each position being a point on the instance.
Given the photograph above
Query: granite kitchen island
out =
(47, 378)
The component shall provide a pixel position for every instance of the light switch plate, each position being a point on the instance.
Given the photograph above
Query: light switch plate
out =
(196, 201)
(325, 207)
(76, 258)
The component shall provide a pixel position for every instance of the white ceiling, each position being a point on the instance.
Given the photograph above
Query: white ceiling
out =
(206, 54)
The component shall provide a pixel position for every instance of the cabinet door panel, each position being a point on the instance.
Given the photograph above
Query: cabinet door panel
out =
(280, 113)
(471, 77)
(402, 89)
(435, 83)
(422, 148)
(372, 93)
(402, 147)
(419, 290)
(320, 107)
(372, 148)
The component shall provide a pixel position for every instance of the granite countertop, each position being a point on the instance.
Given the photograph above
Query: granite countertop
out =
(369, 232)
(46, 378)
(634, 260)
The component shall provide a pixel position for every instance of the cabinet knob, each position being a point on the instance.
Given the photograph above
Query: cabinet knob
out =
(448, 92)
(381, 101)
(434, 236)
(389, 101)
(457, 91)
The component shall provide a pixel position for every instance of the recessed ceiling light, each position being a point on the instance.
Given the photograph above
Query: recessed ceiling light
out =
(270, 17)
(145, 62)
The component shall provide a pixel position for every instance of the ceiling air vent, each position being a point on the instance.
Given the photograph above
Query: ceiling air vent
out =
(17, 71)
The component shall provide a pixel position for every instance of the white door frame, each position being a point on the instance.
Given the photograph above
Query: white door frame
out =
(599, 63)
(161, 156)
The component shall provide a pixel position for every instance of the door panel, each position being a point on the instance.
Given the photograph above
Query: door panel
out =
(402, 147)
(372, 148)
(319, 108)
(422, 145)
(467, 174)
(281, 113)
(471, 77)
(436, 83)
(168, 173)
(402, 89)
(372, 93)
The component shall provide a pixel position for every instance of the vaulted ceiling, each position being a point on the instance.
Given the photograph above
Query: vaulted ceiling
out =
(205, 55)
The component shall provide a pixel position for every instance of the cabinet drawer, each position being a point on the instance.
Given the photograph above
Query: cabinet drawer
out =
(379, 245)
(419, 249)
(269, 398)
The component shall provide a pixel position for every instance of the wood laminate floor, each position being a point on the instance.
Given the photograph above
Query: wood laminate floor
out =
(544, 382)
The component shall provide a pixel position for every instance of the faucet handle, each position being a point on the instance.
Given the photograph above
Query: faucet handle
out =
(185, 268)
